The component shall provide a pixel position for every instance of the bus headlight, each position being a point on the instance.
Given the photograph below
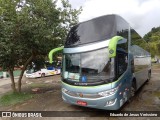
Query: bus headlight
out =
(109, 92)
(111, 102)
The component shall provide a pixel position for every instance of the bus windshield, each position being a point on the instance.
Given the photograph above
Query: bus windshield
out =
(93, 66)
(94, 30)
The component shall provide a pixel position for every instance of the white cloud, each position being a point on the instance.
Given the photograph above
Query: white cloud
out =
(141, 14)
(76, 3)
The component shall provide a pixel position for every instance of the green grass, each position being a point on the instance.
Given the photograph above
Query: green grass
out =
(14, 98)
(157, 94)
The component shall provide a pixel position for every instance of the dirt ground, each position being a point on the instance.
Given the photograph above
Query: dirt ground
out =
(49, 99)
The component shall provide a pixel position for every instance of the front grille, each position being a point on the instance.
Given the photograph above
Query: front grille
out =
(81, 95)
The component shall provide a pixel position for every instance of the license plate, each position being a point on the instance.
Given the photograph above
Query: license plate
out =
(82, 103)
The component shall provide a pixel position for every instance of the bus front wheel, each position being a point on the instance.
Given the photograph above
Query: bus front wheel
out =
(133, 88)
(149, 75)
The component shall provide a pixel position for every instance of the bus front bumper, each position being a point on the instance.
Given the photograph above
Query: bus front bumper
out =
(107, 103)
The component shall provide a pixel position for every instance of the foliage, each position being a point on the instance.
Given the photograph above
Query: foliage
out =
(153, 38)
(30, 29)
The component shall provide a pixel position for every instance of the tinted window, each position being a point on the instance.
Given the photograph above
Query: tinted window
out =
(91, 31)
(122, 30)
(97, 29)
(136, 39)
(122, 61)
(139, 49)
(123, 45)
(122, 27)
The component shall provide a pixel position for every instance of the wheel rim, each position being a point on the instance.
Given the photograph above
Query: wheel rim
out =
(132, 91)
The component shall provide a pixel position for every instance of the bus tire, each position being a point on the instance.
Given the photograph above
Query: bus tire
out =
(133, 88)
(43, 75)
(149, 75)
(132, 91)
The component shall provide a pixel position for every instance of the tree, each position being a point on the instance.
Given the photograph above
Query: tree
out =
(29, 29)
(153, 38)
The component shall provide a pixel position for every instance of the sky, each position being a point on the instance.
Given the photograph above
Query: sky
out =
(141, 14)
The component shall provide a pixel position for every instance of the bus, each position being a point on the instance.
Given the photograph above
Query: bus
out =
(105, 61)
(33, 73)
(44, 70)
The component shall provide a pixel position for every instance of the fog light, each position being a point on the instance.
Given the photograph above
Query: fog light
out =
(111, 102)
(64, 90)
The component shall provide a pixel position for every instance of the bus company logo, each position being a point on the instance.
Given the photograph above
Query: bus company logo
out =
(111, 51)
(80, 95)
(6, 114)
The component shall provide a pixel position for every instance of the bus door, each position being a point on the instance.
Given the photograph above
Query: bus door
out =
(122, 72)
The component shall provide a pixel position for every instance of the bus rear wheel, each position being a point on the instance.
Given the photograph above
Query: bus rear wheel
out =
(133, 88)
(149, 75)
(132, 91)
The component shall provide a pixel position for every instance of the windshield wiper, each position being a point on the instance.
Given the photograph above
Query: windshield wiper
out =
(107, 80)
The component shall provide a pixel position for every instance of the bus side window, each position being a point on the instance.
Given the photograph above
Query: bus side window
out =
(121, 63)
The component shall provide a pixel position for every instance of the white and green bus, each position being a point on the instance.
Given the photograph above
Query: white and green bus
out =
(105, 62)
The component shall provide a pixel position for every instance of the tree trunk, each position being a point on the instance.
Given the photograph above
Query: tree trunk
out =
(13, 86)
(22, 72)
